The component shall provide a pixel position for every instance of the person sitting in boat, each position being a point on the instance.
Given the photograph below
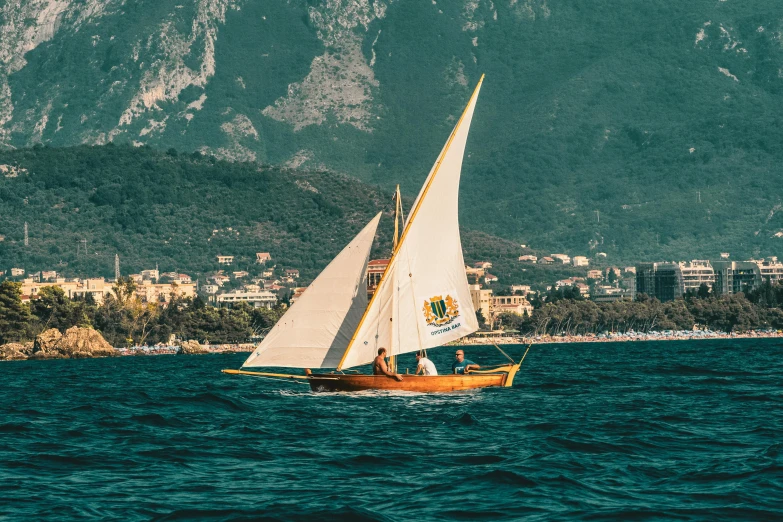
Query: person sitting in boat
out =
(462, 365)
(425, 367)
(379, 366)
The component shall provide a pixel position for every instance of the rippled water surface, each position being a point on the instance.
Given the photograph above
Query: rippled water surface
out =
(644, 431)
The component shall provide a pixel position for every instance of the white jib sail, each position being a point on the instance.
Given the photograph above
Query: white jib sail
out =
(316, 330)
(424, 299)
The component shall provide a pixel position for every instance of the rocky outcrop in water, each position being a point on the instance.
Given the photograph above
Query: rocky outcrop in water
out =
(191, 348)
(84, 342)
(15, 351)
(77, 343)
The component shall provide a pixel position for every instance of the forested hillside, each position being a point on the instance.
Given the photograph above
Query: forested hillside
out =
(85, 204)
(648, 129)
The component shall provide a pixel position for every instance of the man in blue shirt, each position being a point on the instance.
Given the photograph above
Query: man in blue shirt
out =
(462, 365)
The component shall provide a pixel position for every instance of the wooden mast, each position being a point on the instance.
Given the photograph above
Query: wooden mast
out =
(397, 217)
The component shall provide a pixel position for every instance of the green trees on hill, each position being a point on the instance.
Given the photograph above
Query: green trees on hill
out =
(83, 205)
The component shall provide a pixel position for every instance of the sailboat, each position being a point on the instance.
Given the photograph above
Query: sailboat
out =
(422, 301)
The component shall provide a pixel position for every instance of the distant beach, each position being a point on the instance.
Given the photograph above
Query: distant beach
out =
(667, 335)
(168, 349)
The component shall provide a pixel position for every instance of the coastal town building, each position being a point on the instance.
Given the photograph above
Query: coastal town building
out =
(608, 293)
(16, 272)
(561, 258)
(580, 261)
(219, 279)
(732, 277)
(482, 302)
(292, 272)
(474, 274)
(225, 260)
(239, 274)
(162, 293)
(263, 257)
(771, 270)
(375, 269)
(528, 258)
(489, 278)
(695, 274)
(210, 289)
(515, 304)
(482, 264)
(260, 299)
(298, 291)
(521, 289)
(546, 261)
(153, 275)
(669, 281)
(660, 280)
(595, 274)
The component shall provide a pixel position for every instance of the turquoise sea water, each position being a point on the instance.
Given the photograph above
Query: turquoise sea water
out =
(615, 431)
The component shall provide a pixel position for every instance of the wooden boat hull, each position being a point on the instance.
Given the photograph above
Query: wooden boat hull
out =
(411, 383)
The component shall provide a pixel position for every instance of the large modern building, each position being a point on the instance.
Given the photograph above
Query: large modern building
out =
(771, 270)
(697, 273)
(660, 280)
(732, 277)
(669, 281)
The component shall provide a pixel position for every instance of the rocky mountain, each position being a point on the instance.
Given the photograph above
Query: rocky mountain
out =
(645, 129)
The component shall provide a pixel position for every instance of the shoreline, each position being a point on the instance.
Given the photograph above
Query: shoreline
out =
(685, 335)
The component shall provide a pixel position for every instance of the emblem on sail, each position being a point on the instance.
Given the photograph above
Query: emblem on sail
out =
(440, 311)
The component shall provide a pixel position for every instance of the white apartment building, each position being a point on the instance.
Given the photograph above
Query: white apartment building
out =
(771, 270)
(261, 299)
(580, 261)
(696, 273)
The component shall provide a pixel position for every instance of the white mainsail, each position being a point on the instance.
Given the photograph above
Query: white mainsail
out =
(316, 330)
(424, 299)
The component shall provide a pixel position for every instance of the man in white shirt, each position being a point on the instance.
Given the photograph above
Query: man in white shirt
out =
(426, 367)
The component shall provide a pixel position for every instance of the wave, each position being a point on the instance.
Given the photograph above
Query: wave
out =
(158, 421)
(14, 428)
